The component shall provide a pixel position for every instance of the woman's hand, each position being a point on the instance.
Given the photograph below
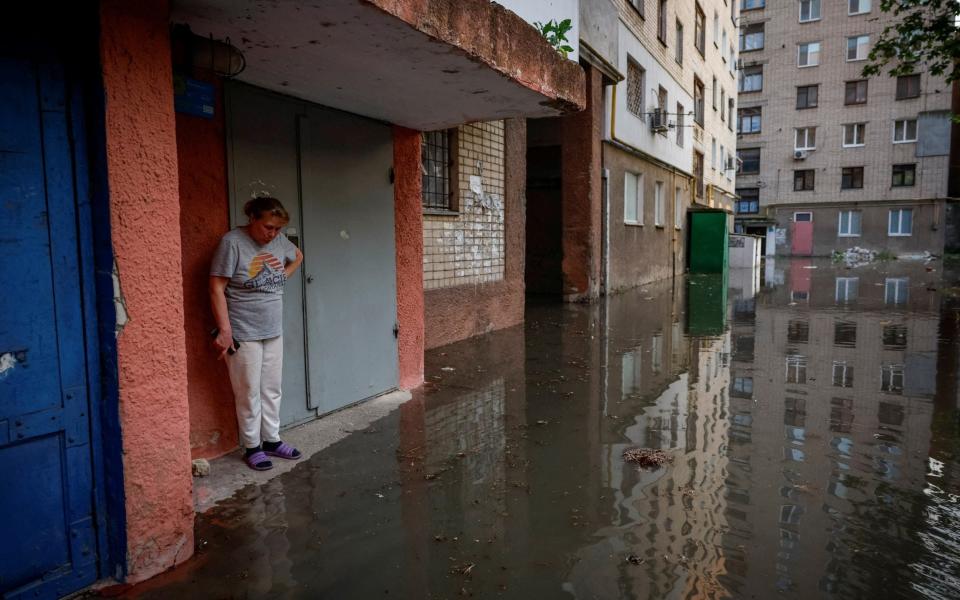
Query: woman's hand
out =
(218, 302)
(223, 342)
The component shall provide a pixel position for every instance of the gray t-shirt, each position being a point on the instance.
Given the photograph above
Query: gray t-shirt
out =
(255, 291)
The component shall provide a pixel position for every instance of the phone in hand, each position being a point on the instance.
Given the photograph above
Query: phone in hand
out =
(236, 345)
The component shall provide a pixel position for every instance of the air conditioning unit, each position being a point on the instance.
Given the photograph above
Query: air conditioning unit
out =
(658, 121)
(799, 155)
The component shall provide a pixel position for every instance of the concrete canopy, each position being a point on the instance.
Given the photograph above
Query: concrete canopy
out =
(422, 64)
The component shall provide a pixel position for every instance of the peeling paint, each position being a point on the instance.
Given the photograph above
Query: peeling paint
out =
(119, 302)
(9, 360)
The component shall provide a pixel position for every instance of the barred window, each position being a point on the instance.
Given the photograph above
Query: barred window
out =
(635, 77)
(436, 153)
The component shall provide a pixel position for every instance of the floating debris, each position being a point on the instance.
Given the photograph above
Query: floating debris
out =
(647, 458)
(633, 559)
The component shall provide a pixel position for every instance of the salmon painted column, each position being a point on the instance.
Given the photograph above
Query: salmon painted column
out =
(145, 224)
(581, 160)
(408, 219)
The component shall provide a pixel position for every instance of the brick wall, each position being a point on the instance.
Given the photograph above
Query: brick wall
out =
(467, 247)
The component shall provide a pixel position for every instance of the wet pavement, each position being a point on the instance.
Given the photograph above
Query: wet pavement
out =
(811, 420)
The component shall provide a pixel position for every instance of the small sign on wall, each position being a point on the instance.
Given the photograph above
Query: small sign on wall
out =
(193, 97)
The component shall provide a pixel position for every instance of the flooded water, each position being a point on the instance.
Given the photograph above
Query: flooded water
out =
(811, 420)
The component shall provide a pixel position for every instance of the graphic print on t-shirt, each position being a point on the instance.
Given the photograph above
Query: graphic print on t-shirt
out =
(265, 273)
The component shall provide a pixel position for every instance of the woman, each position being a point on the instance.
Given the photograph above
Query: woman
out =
(247, 274)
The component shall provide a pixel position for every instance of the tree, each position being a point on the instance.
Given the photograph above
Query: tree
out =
(925, 35)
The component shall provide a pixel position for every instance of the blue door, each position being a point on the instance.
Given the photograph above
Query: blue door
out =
(48, 544)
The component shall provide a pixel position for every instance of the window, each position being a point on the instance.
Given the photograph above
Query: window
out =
(842, 374)
(908, 86)
(808, 54)
(855, 92)
(853, 134)
(730, 107)
(851, 178)
(713, 154)
(716, 29)
(733, 60)
(749, 202)
(678, 211)
(638, 4)
(808, 96)
(659, 201)
(752, 4)
(846, 289)
(662, 106)
(723, 44)
(715, 88)
(751, 37)
(802, 217)
(436, 155)
(796, 369)
(904, 131)
(749, 160)
(748, 120)
(633, 198)
(742, 387)
(849, 223)
(700, 30)
(678, 50)
(798, 331)
(630, 372)
(635, 77)
(858, 7)
(698, 107)
(733, 13)
(904, 175)
(896, 290)
(900, 222)
(723, 104)
(805, 138)
(751, 79)
(844, 334)
(809, 10)
(803, 180)
(681, 117)
(891, 379)
(890, 414)
(858, 47)
(894, 337)
(698, 173)
(662, 22)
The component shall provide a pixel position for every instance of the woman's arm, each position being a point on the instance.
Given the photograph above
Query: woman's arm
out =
(218, 302)
(292, 266)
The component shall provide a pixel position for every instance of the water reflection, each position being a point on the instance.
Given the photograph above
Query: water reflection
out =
(811, 425)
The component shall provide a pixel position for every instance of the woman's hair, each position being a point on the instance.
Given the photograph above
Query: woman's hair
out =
(262, 206)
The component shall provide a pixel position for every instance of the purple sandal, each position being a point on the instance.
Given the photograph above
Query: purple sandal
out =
(258, 461)
(284, 450)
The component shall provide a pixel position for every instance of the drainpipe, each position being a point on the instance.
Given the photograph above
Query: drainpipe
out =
(606, 230)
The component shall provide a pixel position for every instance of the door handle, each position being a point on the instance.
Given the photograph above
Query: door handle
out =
(309, 278)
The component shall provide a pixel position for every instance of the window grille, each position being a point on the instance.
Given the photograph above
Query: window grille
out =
(635, 88)
(435, 155)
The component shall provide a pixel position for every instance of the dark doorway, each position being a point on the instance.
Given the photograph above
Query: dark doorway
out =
(543, 271)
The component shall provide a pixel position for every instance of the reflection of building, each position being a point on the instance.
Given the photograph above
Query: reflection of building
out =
(669, 392)
(841, 382)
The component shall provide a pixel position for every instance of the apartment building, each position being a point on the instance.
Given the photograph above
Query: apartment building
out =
(829, 159)
(668, 134)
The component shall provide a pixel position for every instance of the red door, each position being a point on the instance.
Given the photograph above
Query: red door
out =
(801, 234)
